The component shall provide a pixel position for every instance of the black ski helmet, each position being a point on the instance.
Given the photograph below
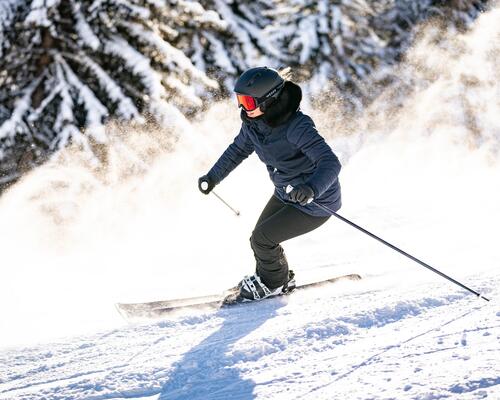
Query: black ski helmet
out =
(261, 83)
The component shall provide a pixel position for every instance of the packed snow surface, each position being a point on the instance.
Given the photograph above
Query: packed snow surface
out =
(400, 333)
(351, 341)
(74, 242)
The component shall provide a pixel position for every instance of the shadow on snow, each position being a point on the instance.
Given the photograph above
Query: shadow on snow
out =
(209, 371)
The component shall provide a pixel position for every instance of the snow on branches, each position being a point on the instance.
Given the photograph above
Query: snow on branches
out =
(8, 9)
(68, 66)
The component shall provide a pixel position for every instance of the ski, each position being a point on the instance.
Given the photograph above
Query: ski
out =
(157, 309)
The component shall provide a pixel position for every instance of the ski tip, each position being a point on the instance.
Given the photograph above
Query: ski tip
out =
(122, 312)
(131, 315)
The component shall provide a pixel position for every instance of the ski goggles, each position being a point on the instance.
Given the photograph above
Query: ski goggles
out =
(247, 102)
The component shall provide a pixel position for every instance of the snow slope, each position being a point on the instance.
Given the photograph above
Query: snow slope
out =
(349, 341)
(74, 242)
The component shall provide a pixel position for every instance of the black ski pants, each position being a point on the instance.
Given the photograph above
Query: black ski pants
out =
(278, 222)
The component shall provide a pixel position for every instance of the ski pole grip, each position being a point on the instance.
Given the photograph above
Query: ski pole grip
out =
(289, 188)
(204, 185)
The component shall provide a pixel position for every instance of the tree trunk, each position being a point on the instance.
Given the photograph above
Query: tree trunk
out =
(43, 62)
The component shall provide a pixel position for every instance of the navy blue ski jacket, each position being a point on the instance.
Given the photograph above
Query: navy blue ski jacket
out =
(293, 152)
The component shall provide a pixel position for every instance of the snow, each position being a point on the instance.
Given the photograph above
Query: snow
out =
(88, 37)
(387, 336)
(173, 57)
(163, 111)
(342, 342)
(64, 118)
(8, 128)
(134, 10)
(76, 240)
(126, 108)
(96, 112)
(245, 54)
(38, 14)
(307, 41)
(7, 13)
(221, 58)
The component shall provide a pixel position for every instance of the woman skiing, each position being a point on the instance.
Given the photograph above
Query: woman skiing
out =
(297, 157)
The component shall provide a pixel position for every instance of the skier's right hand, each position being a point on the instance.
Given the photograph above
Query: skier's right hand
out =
(205, 184)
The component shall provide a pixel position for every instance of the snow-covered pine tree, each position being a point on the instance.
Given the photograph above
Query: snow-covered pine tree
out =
(8, 10)
(397, 19)
(327, 43)
(69, 65)
(243, 43)
(462, 12)
(330, 44)
(333, 43)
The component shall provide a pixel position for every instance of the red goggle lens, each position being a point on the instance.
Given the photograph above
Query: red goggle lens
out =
(247, 102)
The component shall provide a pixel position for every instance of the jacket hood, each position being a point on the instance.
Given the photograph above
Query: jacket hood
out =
(285, 106)
(280, 111)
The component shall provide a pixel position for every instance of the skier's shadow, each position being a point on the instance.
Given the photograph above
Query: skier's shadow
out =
(208, 370)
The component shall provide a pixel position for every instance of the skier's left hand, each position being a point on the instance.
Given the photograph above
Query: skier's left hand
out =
(302, 194)
(209, 184)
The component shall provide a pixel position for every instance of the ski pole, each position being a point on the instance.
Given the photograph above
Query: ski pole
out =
(221, 199)
(204, 186)
(289, 188)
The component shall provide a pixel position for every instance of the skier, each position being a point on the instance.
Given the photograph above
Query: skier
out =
(295, 155)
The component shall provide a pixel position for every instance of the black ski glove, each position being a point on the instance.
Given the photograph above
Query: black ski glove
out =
(209, 184)
(302, 194)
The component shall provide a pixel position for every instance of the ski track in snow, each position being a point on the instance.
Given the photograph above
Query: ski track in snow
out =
(338, 342)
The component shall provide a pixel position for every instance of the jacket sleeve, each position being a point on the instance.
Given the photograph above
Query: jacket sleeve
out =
(327, 166)
(236, 152)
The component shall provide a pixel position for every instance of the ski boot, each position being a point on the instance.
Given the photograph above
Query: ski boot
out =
(291, 284)
(251, 288)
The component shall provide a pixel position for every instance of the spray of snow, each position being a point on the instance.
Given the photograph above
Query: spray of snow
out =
(77, 237)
